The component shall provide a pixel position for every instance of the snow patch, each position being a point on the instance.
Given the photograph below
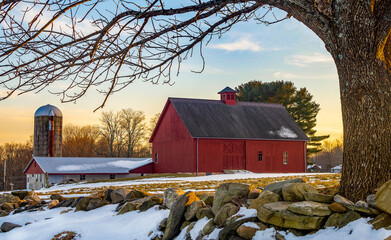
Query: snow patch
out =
(284, 132)
(245, 213)
(198, 228)
(251, 225)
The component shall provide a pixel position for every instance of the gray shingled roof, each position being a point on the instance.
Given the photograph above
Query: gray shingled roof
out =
(245, 120)
(74, 165)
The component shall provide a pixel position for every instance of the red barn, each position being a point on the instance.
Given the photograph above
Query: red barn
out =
(210, 136)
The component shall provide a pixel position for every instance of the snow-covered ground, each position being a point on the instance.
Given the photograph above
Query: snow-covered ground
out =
(218, 177)
(103, 223)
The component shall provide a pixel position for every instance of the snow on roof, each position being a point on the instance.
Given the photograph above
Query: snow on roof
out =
(77, 165)
(339, 167)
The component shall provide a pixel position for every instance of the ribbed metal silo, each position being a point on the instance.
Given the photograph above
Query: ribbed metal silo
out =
(48, 132)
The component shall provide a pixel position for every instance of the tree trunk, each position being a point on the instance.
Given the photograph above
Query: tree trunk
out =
(365, 89)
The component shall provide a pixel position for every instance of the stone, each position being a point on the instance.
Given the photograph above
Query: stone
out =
(337, 207)
(74, 204)
(318, 197)
(342, 200)
(7, 207)
(118, 195)
(367, 211)
(82, 204)
(128, 207)
(205, 212)
(310, 208)
(96, 203)
(100, 195)
(227, 192)
(293, 192)
(67, 203)
(371, 201)
(334, 220)
(247, 230)
(58, 197)
(4, 213)
(190, 227)
(176, 216)
(20, 194)
(31, 195)
(7, 226)
(383, 197)
(277, 213)
(253, 194)
(230, 229)
(225, 212)
(191, 211)
(171, 195)
(136, 194)
(150, 202)
(263, 198)
(349, 217)
(209, 228)
(65, 211)
(53, 203)
(381, 221)
(9, 198)
(108, 194)
(208, 199)
(185, 224)
(361, 203)
(277, 186)
(162, 224)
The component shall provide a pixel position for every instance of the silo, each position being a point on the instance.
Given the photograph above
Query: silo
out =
(48, 132)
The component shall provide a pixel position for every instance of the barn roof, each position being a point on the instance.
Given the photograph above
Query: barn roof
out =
(227, 89)
(78, 165)
(244, 120)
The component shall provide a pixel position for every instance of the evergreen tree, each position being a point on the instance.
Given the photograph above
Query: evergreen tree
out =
(298, 102)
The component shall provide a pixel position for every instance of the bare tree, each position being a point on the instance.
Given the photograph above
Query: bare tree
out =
(79, 141)
(43, 42)
(112, 132)
(132, 122)
(152, 124)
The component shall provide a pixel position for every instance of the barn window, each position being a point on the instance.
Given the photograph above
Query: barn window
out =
(285, 158)
(82, 177)
(260, 156)
(156, 158)
(35, 164)
(36, 177)
(112, 176)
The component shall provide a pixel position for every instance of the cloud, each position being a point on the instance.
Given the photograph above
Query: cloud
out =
(280, 75)
(244, 44)
(307, 60)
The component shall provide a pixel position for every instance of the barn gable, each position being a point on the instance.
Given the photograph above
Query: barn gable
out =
(244, 120)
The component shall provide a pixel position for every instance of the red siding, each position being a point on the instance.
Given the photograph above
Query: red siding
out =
(173, 144)
(34, 168)
(273, 156)
(210, 155)
(143, 169)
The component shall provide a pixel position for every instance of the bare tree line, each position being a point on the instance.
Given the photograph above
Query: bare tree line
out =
(124, 133)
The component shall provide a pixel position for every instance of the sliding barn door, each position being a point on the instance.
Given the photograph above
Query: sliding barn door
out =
(234, 155)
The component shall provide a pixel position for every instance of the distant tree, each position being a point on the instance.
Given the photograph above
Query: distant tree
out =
(331, 155)
(298, 102)
(79, 141)
(132, 123)
(152, 124)
(111, 131)
(16, 157)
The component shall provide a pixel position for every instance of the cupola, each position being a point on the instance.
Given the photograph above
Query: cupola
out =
(227, 95)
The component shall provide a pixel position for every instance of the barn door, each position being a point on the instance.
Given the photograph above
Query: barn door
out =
(234, 155)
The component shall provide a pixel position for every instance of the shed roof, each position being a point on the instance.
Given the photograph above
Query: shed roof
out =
(78, 165)
(245, 120)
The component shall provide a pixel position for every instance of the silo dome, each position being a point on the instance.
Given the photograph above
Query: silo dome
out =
(47, 132)
(48, 110)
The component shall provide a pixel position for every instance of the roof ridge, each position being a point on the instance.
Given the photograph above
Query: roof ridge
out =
(237, 103)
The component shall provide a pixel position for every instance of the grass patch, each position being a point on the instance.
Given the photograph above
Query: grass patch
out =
(158, 175)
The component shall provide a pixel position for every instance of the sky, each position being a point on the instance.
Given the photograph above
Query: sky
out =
(249, 51)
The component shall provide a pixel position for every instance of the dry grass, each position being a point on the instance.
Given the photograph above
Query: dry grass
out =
(326, 183)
